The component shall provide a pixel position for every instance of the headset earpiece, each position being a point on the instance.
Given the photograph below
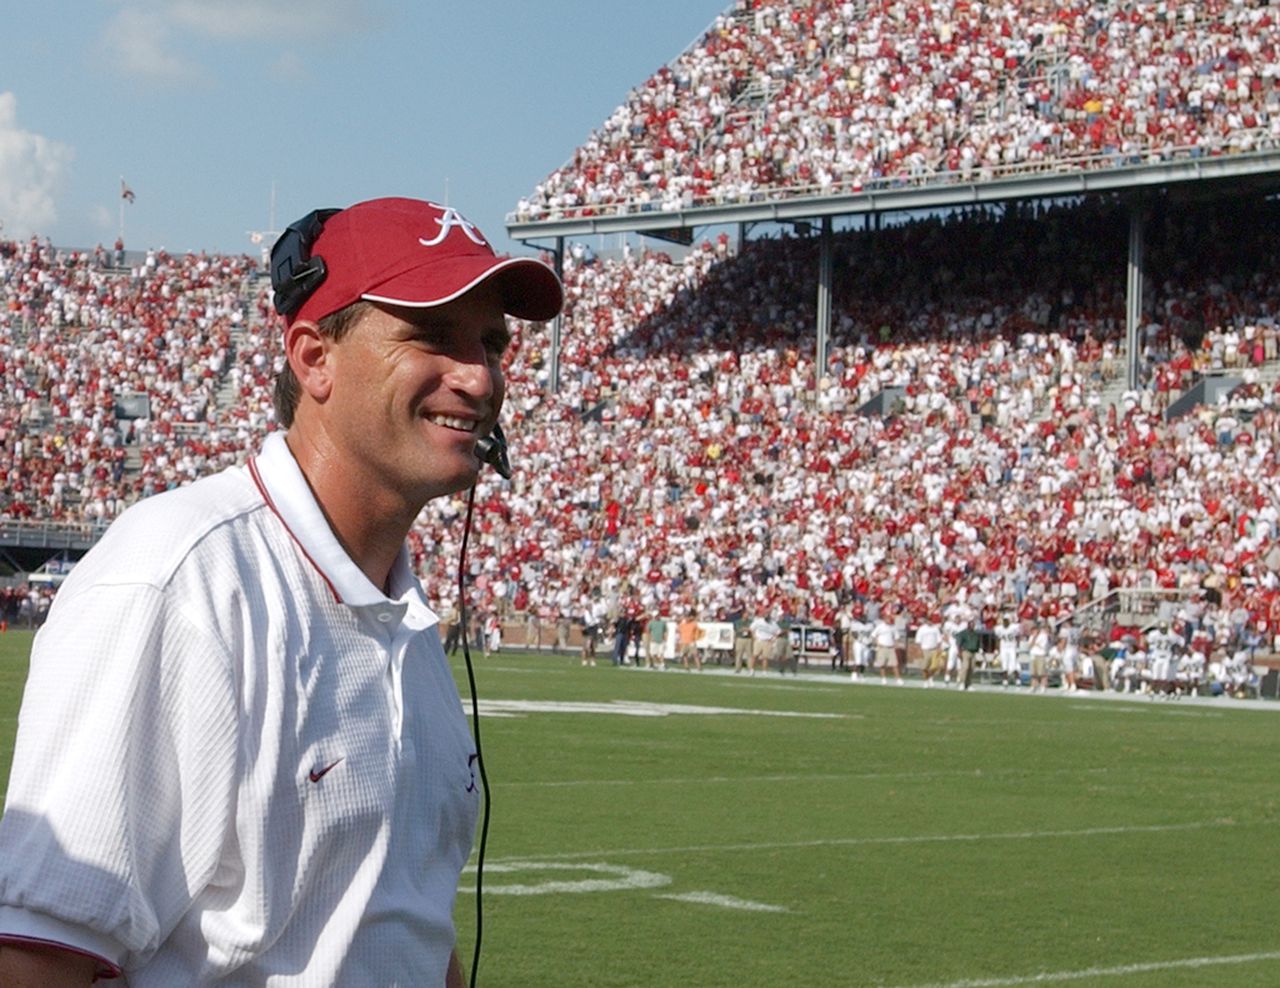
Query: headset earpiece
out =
(295, 274)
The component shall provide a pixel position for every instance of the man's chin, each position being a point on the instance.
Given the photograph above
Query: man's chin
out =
(444, 476)
(461, 476)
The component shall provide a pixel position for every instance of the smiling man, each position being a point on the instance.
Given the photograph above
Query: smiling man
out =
(241, 758)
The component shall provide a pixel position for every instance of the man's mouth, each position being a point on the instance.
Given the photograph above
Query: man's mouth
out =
(452, 422)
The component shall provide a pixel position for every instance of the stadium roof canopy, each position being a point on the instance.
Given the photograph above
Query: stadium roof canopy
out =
(1257, 171)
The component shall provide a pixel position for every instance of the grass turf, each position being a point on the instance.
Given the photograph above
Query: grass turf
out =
(656, 829)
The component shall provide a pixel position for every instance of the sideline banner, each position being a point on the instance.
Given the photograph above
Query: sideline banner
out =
(812, 640)
(716, 635)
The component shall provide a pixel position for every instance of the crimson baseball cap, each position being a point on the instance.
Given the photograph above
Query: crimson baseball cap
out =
(420, 254)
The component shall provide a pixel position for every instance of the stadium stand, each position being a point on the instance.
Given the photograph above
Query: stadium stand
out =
(98, 362)
(970, 449)
(788, 98)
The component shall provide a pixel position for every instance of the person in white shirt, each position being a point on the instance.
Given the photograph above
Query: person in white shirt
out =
(1069, 655)
(952, 625)
(928, 637)
(1038, 657)
(885, 636)
(1007, 636)
(241, 759)
(1160, 647)
(764, 633)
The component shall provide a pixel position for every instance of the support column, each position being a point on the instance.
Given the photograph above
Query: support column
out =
(825, 264)
(1133, 299)
(553, 379)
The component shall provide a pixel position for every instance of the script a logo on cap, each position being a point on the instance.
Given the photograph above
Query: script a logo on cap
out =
(449, 218)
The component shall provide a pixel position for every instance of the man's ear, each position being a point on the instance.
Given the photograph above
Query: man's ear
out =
(307, 351)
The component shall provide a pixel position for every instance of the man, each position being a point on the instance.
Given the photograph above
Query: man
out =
(1160, 649)
(621, 635)
(1009, 636)
(741, 641)
(956, 619)
(1038, 656)
(1069, 655)
(783, 651)
(655, 642)
(241, 758)
(764, 632)
(928, 637)
(860, 633)
(968, 644)
(689, 634)
(884, 633)
(452, 620)
(594, 615)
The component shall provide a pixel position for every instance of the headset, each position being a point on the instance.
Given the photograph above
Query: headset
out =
(295, 275)
(492, 449)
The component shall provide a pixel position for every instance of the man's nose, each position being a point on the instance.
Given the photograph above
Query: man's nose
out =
(473, 374)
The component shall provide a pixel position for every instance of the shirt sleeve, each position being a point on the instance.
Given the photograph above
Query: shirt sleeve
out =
(123, 774)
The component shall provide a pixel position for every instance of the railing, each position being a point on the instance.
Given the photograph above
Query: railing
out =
(930, 177)
(50, 534)
(1145, 604)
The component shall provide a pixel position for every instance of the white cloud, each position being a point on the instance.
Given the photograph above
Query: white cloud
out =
(272, 20)
(31, 170)
(139, 41)
(152, 39)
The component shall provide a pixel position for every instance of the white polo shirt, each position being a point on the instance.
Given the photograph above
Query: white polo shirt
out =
(238, 762)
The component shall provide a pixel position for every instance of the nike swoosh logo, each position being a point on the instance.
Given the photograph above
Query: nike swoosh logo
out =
(317, 774)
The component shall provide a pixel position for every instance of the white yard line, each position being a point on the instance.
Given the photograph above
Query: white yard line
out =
(873, 841)
(1121, 970)
(967, 773)
(724, 902)
(636, 708)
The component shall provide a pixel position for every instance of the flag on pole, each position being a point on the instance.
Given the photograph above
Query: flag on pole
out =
(126, 193)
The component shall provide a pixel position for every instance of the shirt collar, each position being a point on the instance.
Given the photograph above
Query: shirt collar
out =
(287, 493)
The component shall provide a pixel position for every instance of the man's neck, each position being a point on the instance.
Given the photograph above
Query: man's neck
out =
(368, 527)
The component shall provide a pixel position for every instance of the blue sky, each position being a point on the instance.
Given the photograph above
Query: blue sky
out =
(202, 106)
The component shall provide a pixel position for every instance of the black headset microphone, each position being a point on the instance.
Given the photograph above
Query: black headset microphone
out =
(295, 274)
(492, 449)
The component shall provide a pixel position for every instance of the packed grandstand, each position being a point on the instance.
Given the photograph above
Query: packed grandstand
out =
(693, 458)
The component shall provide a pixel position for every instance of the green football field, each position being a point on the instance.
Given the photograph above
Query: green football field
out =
(719, 831)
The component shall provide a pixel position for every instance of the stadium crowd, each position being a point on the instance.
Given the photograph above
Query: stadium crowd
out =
(694, 463)
(696, 459)
(79, 337)
(829, 96)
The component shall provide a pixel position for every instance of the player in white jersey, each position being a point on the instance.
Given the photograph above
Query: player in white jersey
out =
(860, 642)
(1163, 663)
(955, 620)
(241, 758)
(1069, 655)
(1008, 636)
